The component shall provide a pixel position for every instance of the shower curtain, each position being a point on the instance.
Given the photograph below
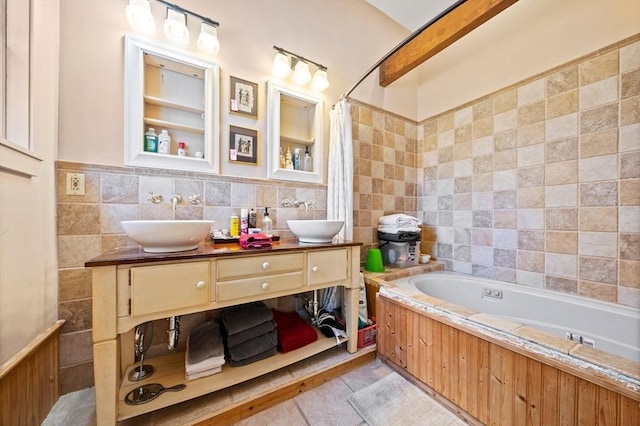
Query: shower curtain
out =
(340, 169)
(340, 181)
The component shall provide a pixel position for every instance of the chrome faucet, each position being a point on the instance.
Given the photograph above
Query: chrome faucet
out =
(297, 203)
(175, 199)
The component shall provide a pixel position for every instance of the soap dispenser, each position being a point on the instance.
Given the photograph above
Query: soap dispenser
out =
(267, 223)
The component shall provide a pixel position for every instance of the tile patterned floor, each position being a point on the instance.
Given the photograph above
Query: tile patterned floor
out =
(324, 405)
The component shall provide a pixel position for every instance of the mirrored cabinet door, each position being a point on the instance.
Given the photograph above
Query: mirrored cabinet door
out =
(295, 135)
(171, 108)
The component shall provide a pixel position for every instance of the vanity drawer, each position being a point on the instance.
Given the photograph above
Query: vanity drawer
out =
(165, 287)
(327, 266)
(259, 286)
(259, 265)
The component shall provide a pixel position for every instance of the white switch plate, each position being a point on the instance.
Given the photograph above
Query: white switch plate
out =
(75, 183)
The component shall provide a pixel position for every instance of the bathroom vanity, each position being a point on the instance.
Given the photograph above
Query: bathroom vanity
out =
(131, 287)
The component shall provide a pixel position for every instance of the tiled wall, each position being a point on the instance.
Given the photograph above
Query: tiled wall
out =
(90, 224)
(385, 153)
(538, 184)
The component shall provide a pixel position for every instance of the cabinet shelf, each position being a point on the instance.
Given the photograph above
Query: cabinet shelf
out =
(170, 371)
(296, 141)
(168, 124)
(154, 100)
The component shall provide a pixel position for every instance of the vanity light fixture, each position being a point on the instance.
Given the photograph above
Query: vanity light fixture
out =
(175, 27)
(139, 16)
(285, 61)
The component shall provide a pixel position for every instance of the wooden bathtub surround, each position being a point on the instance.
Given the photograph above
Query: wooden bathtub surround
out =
(131, 287)
(492, 381)
(29, 385)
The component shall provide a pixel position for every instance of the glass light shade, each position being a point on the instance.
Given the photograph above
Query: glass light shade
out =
(320, 81)
(281, 65)
(175, 27)
(139, 16)
(301, 74)
(208, 39)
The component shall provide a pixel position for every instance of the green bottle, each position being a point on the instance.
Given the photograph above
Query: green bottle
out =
(151, 140)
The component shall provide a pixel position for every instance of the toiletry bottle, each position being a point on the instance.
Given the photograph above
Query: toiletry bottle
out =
(307, 162)
(252, 218)
(182, 149)
(282, 159)
(267, 223)
(151, 140)
(234, 225)
(244, 221)
(164, 142)
(287, 160)
(296, 159)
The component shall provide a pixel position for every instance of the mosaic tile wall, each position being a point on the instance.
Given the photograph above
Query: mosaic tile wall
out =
(538, 184)
(90, 224)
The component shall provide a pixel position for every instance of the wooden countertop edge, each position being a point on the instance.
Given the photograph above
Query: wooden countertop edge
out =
(206, 250)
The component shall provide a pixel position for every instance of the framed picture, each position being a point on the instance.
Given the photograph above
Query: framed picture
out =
(244, 97)
(243, 145)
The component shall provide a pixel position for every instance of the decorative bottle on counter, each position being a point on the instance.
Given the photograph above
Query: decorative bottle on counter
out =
(151, 140)
(267, 223)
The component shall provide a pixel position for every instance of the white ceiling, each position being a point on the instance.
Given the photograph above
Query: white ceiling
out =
(411, 14)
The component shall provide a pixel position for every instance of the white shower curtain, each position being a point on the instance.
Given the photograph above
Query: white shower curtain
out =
(340, 169)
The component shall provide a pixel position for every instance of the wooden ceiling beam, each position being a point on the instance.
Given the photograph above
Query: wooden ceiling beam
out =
(437, 36)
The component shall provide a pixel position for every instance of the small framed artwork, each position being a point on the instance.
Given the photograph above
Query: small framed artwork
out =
(244, 97)
(243, 145)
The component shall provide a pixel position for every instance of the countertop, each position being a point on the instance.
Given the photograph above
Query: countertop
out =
(131, 255)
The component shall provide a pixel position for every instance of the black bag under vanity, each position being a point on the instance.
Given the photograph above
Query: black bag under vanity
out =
(399, 250)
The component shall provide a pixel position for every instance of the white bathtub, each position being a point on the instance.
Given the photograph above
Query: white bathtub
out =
(606, 326)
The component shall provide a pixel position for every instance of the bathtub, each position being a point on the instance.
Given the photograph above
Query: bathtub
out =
(606, 326)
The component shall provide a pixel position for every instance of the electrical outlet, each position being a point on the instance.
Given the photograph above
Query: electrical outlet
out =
(75, 183)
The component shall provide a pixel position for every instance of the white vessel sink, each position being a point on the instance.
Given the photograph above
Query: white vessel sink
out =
(315, 231)
(163, 236)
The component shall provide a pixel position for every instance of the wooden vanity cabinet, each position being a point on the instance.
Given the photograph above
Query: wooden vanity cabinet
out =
(129, 293)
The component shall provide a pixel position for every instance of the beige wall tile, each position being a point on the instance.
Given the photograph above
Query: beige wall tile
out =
(629, 296)
(629, 138)
(561, 242)
(562, 81)
(531, 155)
(505, 160)
(74, 284)
(561, 195)
(630, 192)
(630, 84)
(629, 219)
(505, 140)
(598, 269)
(531, 92)
(599, 68)
(562, 150)
(561, 219)
(504, 199)
(630, 165)
(599, 219)
(561, 127)
(599, 93)
(562, 104)
(599, 144)
(561, 173)
(532, 261)
(78, 219)
(629, 273)
(75, 348)
(483, 182)
(563, 285)
(531, 113)
(598, 290)
(121, 189)
(561, 265)
(505, 219)
(76, 377)
(600, 244)
(505, 101)
(531, 176)
(598, 168)
(530, 218)
(75, 250)
(482, 146)
(445, 122)
(630, 111)
(595, 194)
(531, 240)
(77, 315)
(598, 119)
(531, 134)
(630, 57)
(505, 121)
(530, 198)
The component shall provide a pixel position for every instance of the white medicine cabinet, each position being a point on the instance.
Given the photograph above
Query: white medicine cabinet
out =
(294, 124)
(168, 89)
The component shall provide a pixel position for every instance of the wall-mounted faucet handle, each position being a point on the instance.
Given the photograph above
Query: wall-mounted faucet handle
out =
(290, 203)
(175, 199)
(308, 204)
(195, 199)
(154, 197)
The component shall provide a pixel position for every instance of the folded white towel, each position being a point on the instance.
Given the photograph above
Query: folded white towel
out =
(389, 229)
(205, 373)
(206, 364)
(399, 219)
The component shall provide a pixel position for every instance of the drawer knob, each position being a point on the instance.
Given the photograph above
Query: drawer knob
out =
(201, 284)
(265, 286)
(314, 269)
(265, 265)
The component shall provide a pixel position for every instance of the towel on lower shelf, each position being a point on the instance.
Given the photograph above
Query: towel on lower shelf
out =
(243, 336)
(243, 317)
(390, 229)
(399, 220)
(293, 331)
(258, 357)
(253, 347)
(205, 351)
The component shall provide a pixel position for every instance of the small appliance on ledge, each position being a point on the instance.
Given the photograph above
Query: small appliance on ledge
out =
(399, 250)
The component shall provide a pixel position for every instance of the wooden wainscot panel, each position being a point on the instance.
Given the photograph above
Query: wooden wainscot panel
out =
(489, 383)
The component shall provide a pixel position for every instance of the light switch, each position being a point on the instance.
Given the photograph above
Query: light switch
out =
(75, 183)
